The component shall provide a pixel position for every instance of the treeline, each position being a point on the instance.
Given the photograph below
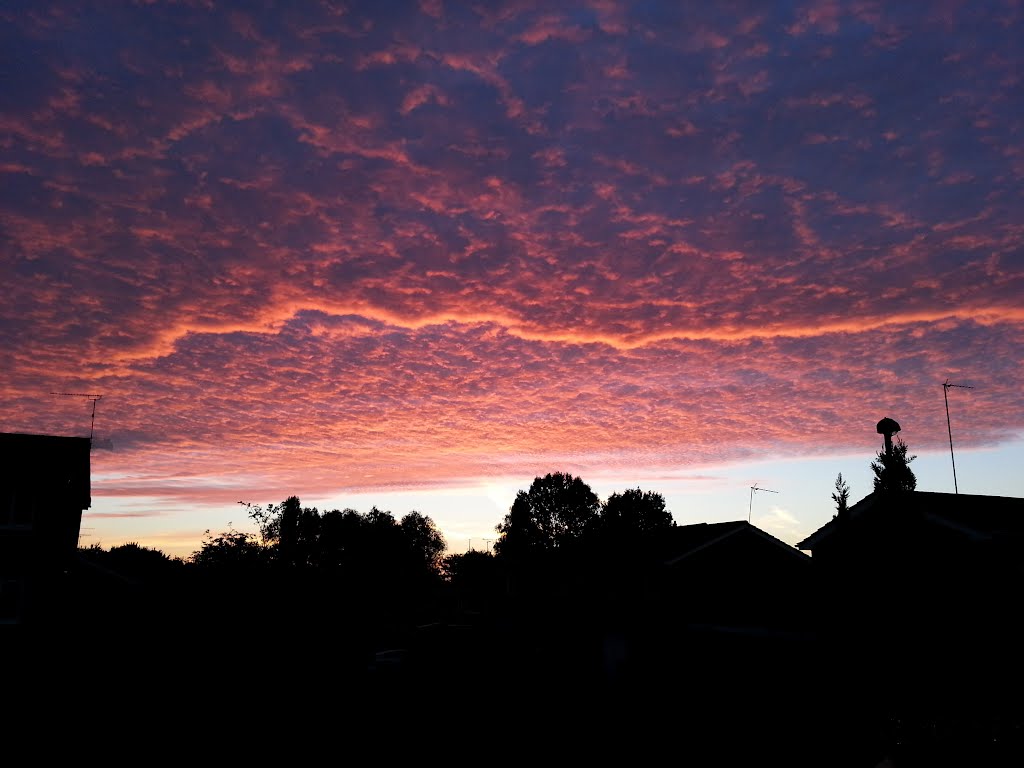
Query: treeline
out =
(558, 516)
(337, 542)
(373, 574)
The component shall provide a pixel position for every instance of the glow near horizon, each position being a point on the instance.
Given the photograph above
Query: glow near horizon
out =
(467, 516)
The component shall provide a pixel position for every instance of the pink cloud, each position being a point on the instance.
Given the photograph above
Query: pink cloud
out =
(314, 252)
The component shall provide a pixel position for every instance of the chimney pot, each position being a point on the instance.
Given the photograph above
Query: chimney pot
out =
(887, 428)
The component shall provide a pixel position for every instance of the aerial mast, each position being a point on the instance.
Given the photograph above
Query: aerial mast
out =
(946, 386)
(93, 398)
(754, 488)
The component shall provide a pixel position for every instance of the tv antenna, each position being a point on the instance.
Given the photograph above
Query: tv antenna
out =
(93, 398)
(754, 488)
(946, 386)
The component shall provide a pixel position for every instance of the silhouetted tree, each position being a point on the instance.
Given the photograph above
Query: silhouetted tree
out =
(290, 530)
(348, 542)
(266, 519)
(133, 560)
(299, 530)
(230, 550)
(634, 513)
(425, 543)
(463, 566)
(380, 544)
(557, 511)
(842, 495)
(475, 578)
(629, 537)
(892, 471)
(130, 585)
(340, 538)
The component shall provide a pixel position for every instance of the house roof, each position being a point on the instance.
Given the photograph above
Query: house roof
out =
(973, 516)
(684, 541)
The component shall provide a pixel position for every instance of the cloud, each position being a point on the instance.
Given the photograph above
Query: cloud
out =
(311, 249)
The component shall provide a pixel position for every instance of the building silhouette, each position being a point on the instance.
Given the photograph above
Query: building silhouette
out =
(44, 488)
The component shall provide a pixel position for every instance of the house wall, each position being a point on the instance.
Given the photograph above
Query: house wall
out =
(44, 487)
(923, 611)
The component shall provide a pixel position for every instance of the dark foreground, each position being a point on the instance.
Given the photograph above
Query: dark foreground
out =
(459, 693)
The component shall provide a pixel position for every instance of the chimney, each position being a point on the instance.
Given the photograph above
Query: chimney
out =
(887, 428)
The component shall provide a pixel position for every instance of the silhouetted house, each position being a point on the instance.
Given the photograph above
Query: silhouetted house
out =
(734, 577)
(44, 487)
(722, 600)
(920, 593)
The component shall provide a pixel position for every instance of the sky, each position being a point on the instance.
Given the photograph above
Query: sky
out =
(413, 255)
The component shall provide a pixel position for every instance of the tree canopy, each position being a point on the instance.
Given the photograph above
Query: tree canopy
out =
(230, 549)
(560, 511)
(634, 513)
(892, 471)
(301, 537)
(557, 510)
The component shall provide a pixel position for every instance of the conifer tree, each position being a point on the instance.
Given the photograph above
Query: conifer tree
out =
(842, 495)
(892, 471)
